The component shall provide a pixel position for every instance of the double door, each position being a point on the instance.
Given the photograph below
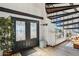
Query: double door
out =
(26, 32)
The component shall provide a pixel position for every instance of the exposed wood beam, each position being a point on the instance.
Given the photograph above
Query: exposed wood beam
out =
(62, 15)
(69, 24)
(3, 9)
(51, 3)
(62, 7)
(66, 19)
(57, 9)
(48, 4)
(72, 28)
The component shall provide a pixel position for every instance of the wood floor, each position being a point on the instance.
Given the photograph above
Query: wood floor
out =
(64, 49)
(60, 50)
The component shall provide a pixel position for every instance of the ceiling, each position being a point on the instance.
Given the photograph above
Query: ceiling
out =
(66, 14)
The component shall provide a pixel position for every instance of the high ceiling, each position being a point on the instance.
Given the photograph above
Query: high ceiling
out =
(68, 13)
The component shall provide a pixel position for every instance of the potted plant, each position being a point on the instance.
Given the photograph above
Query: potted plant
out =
(6, 35)
(1, 35)
(68, 35)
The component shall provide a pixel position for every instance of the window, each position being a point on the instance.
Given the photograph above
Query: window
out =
(33, 31)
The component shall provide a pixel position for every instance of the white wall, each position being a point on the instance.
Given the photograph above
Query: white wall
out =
(32, 8)
(51, 37)
(51, 34)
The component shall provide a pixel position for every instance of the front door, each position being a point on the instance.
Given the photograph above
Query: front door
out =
(26, 32)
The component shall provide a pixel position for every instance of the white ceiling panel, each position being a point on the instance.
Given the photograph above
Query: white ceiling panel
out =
(63, 4)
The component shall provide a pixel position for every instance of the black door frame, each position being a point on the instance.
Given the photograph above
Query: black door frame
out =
(27, 21)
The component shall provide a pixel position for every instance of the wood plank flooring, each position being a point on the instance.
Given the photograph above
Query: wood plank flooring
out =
(60, 50)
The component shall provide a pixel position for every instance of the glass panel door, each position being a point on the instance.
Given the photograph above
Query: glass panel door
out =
(20, 31)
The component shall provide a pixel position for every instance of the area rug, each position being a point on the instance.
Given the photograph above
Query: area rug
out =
(70, 45)
(27, 52)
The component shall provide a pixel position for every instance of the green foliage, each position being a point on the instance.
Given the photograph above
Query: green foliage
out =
(6, 33)
(68, 34)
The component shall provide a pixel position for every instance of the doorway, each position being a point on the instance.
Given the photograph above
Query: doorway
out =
(26, 33)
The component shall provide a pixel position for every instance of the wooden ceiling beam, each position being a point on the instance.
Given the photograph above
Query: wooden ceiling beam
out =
(57, 9)
(66, 20)
(72, 28)
(69, 24)
(62, 15)
(62, 6)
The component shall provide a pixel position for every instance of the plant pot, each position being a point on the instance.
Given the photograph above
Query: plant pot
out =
(76, 46)
(42, 44)
(7, 53)
(1, 52)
